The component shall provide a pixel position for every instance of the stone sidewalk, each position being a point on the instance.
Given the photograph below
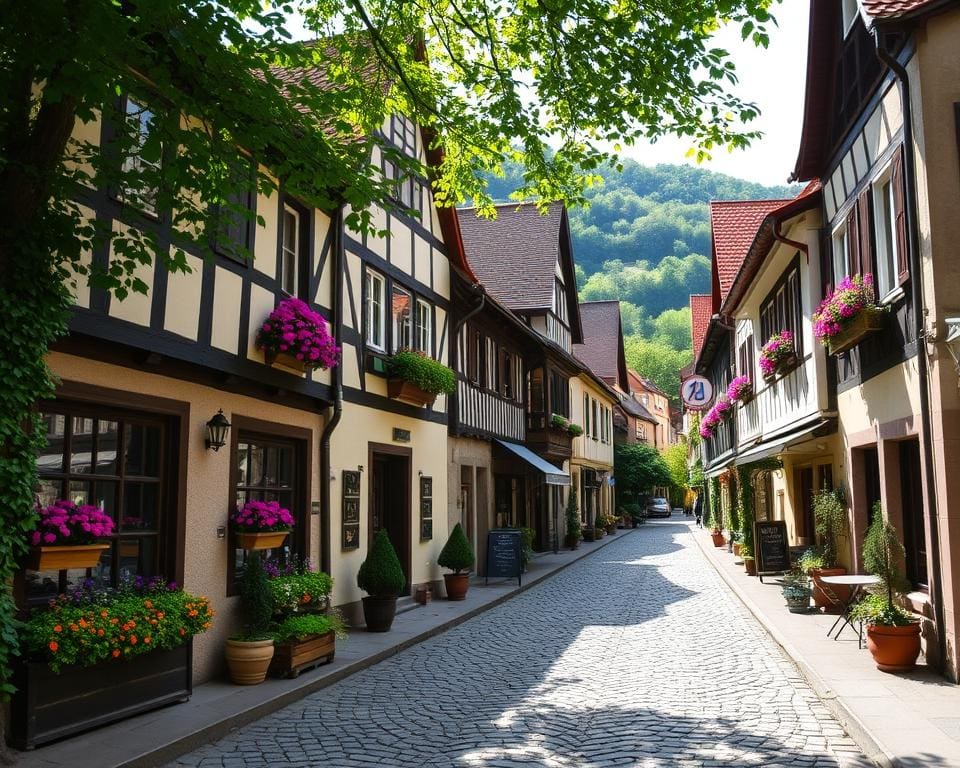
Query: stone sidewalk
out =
(217, 708)
(897, 719)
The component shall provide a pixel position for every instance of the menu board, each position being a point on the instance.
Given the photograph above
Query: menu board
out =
(770, 546)
(503, 554)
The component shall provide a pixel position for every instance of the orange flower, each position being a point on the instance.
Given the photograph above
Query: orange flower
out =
(73, 627)
(148, 604)
(181, 632)
(115, 653)
(114, 621)
(58, 628)
(160, 615)
(52, 645)
(192, 613)
(83, 623)
(100, 632)
(305, 599)
(147, 640)
(133, 639)
(103, 614)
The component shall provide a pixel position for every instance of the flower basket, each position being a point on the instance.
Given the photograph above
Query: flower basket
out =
(778, 356)
(261, 539)
(297, 337)
(410, 393)
(868, 320)
(65, 557)
(740, 390)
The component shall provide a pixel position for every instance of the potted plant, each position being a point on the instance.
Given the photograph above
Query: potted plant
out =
(527, 535)
(830, 518)
(778, 355)
(296, 337)
(609, 524)
(381, 577)
(574, 430)
(250, 652)
(97, 655)
(457, 555)
(736, 536)
(416, 379)
(260, 525)
(305, 640)
(559, 422)
(848, 315)
(717, 535)
(749, 563)
(893, 635)
(599, 526)
(796, 591)
(66, 536)
(573, 520)
(587, 533)
(740, 390)
(297, 588)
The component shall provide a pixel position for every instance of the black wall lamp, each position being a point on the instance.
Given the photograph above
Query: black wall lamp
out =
(217, 429)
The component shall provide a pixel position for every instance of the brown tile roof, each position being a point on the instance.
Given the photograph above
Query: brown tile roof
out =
(515, 255)
(602, 348)
(701, 310)
(893, 9)
(635, 408)
(733, 224)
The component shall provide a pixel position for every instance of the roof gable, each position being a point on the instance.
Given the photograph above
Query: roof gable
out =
(602, 347)
(701, 310)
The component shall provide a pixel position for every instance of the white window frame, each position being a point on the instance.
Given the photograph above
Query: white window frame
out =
(885, 232)
(841, 253)
(290, 257)
(424, 331)
(397, 323)
(374, 314)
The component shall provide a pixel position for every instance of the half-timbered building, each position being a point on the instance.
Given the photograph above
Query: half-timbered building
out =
(524, 259)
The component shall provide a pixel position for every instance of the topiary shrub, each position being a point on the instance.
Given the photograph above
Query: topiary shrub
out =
(573, 518)
(527, 535)
(882, 555)
(457, 554)
(381, 574)
(831, 522)
(425, 372)
(256, 599)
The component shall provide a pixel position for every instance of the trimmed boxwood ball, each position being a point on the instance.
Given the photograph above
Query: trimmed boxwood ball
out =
(457, 554)
(381, 574)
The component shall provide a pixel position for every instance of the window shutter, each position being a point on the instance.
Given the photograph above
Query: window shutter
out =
(900, 222)
(853, 240)
(826, 266)
(865, 264)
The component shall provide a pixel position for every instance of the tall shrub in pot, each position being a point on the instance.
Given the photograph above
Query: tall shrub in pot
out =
(830, 518)
(457, 555)
(381, 577)
(249, 653)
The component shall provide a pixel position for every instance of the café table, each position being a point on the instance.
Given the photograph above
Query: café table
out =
(856, 582)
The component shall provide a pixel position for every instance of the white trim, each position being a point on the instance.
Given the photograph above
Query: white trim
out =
(370, 278)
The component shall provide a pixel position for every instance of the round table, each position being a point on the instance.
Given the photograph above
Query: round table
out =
(856, 582)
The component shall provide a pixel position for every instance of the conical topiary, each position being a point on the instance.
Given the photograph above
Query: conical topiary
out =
(256, 599)
(457, 554)
(381, 574)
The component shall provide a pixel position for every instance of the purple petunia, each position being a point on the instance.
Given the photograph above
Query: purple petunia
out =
(294, 328)
(775, 352)
(851, 296)
(740, 389)
(259, 516)
(65, 523)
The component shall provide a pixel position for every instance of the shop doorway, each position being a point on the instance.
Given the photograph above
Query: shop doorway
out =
(509, 501)
(913, 508)
(390, 501)
(803, 512)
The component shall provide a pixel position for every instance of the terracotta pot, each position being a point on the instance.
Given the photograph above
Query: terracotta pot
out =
(65, 557)
(750, 565)
(588, 534)
(378, 613)
(248, 660)
(294, 656)
(822, 592)
(736, 548)
(718, 540)
(894, 649)
(457, 585)
(611, 529)
(261, 539)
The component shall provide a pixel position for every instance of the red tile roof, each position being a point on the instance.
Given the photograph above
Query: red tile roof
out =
(893, 9)
(602, 348)
(733, 225)
(701, 310)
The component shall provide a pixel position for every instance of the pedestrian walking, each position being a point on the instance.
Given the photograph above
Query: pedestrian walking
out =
(698, 511)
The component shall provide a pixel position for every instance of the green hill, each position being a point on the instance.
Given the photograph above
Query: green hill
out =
(645, 240)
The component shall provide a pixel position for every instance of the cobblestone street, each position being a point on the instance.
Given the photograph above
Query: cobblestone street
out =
(637, 656)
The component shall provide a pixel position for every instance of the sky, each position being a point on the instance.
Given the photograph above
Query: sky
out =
(774, 79)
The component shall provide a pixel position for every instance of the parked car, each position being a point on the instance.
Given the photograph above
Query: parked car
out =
(658, 507)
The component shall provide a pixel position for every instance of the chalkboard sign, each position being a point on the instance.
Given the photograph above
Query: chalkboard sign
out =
(503, 554)
(770, 546)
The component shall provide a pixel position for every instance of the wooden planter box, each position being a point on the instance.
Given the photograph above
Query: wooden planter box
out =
(405, 392)
(284, 361)
(65, 557)
(47, 706)
(786, 365)
(296, 656)
(260, 540)
(866, 321)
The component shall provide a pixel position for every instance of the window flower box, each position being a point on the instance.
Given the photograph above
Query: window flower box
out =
(65, 557)
(296, 337)
(740, 390)
(416, 379)
(778, 356)
(261, 525)
(66, 536)
(260, 539)
(848, 315)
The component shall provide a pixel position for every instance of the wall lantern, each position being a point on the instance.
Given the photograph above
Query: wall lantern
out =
(217, 429)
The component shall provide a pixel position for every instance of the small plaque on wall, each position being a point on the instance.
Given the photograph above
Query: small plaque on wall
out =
(401, 435)
(426, 508)
(351, 536)
(350, 510)
(351, 483)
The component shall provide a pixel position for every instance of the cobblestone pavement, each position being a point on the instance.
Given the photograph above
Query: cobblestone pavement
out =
(635, 656)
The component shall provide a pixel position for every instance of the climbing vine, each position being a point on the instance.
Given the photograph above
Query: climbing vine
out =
(744, 503)
(715, 520)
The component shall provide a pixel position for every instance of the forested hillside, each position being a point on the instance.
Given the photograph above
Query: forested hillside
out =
(645, 240)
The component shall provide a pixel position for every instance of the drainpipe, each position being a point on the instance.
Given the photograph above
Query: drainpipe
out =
(778, 236)
(337, 386)
(916, 298)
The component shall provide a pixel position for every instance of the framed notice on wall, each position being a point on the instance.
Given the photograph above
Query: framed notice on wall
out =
(350, 508)
(426, 508)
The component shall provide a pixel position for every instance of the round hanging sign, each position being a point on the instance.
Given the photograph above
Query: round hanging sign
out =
(696, 392)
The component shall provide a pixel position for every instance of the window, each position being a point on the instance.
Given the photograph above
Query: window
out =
(290, 250)
(560, 300)
(641, 431)
(120, 463)
(475, 358)
(841, 253)
(141, 165)
(508, 384)
(229, 228)
(401, 308)
(593, 419)
(374, 290)
(745, 357)
(402, 185)
(424, 327)
(781, 309)
(559, 395)
(884, 231)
